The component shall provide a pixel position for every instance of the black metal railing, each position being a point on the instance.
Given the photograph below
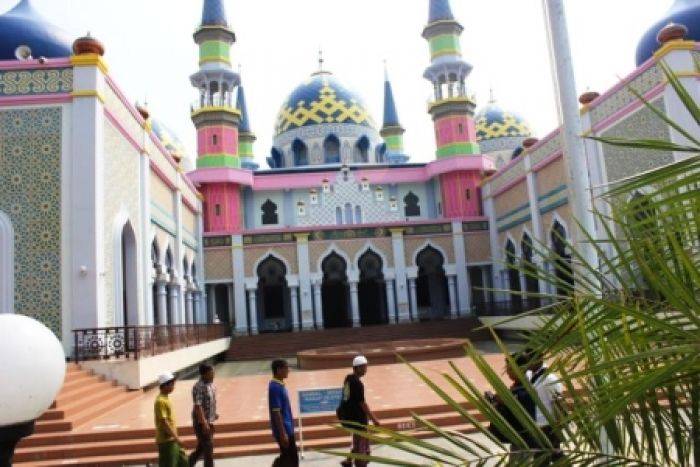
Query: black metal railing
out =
(513, 307)
(134, 342)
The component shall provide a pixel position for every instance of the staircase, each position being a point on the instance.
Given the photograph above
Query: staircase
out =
(134, 447)
(288, 344)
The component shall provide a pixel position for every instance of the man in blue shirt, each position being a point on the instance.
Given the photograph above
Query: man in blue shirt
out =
(281, 418)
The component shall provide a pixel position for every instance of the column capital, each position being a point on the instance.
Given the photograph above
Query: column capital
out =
(397, 231)
(302, 237)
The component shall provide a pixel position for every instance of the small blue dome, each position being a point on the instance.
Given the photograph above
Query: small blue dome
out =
(322, 99)
(494, 122)
(685, 12)
(22, 25)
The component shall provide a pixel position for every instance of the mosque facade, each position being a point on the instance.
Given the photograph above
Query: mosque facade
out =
(102, 226)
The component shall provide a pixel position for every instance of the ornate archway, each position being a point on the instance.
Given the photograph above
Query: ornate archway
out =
(128, 276)
(372, 290)
(335, 292)
(273, 298)
(431, 284)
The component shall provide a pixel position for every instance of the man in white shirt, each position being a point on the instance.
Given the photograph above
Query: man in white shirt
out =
(549, 391)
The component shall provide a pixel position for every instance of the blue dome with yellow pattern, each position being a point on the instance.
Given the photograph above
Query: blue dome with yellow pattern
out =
(500, 130)
(322, 100)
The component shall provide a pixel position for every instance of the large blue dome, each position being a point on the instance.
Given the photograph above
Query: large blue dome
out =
(685, 12)
(22, 25)
(322, 99)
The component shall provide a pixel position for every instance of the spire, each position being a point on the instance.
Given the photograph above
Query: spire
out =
(244, 126)
(391, 116)
(440, 11)
(214, 13)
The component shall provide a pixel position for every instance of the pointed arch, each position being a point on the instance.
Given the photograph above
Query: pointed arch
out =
(273, 297)
(411, 205)
(126, 312)
(371, 289)
(431, 283)
(7, 265)
(561, 258)
(335, 291)
(362, 150)
(300, 153)
(331, 150)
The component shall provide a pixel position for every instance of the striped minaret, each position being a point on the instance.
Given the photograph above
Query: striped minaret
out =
(452, 110)
(392, 131)
(246, 137)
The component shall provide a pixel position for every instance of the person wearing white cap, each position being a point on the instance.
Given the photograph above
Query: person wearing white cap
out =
(354, 409)
(170, 451)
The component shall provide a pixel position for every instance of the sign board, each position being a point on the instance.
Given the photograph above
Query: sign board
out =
(319, 400)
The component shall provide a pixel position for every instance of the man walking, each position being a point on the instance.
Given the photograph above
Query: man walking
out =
(170, 452)
(354, 409)
(281, 418)
(549, 390)
(203, 416)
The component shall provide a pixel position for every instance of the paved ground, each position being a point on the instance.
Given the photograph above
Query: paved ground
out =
(314, 459)
(244, 397)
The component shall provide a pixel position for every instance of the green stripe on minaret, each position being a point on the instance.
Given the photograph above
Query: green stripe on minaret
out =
(458, 149)
(245, 149)
(445, 44)
(394, 142)
(215, 50)
(218, 160)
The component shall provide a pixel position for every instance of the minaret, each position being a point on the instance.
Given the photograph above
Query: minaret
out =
(215, 115)
(246, 137)
(452, 110)
(392, 131)
(217, 121)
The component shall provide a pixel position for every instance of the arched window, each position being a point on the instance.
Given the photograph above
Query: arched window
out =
(155, 254)
(301, 153)
(362, 150)
(513, 276)
(411, 206)
(169, 260)
(269, 216)
(277, 159)
(358, 215)
(348, 213)
(532, 285)
(562, 260)
(331, 150)
(339, 215)
(185, 268)
(380, 153)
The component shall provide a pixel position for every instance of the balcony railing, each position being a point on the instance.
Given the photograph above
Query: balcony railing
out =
(135, 342)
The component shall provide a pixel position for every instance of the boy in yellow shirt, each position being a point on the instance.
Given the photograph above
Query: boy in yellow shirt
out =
(170, 451)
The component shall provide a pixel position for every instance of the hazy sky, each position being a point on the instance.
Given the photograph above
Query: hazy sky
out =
(151, 53)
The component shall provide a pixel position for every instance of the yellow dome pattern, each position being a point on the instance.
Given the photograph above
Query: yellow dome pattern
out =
(321, 100)
(493, 122)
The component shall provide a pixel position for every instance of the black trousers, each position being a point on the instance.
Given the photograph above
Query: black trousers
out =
(205, 447)
(556, 444)
(289, 456)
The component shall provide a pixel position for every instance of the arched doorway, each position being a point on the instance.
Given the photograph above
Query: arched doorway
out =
(532, 285)
(129, 277)
(273, 298)
(335, 292)
(513, 277)
(372, 290)
(222, 303)
(562, 260)
(433, 296)
(7, 265)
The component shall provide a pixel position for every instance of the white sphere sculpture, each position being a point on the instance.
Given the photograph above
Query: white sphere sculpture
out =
(32, 370)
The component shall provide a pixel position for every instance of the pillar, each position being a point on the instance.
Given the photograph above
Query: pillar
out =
(537, 229)
(253, 304)
(178, 254)
(162, 292)
(294, 292)
(355, 304)
(414, 300)
(463, 287)
(239, 301)
(451, 286)
(318, 301)
(189, 307)
(400, 271)
(305, 293)
(390, 303)
(145, 211)
(174, 299)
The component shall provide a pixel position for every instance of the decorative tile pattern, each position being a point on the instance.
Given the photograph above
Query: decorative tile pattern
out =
(551, 177)
(642, 84)
(217, 264)
(253, 255)
(546, 150)
(622, 162)
(15, 83)
(30, 194)
(478, 247)
(414, 244)
(162, 196)
(508, 175)
(121, 195)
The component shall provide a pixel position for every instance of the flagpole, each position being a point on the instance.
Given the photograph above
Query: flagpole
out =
(571, 131)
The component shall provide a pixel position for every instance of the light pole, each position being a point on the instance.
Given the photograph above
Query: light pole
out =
(32, 373)
(571, 130)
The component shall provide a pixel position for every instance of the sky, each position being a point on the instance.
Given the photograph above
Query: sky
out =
(151, 53)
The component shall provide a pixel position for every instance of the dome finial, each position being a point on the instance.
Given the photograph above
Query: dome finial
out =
(492, 96)
(320, 60)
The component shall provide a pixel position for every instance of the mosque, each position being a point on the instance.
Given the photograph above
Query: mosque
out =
(102, 226)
